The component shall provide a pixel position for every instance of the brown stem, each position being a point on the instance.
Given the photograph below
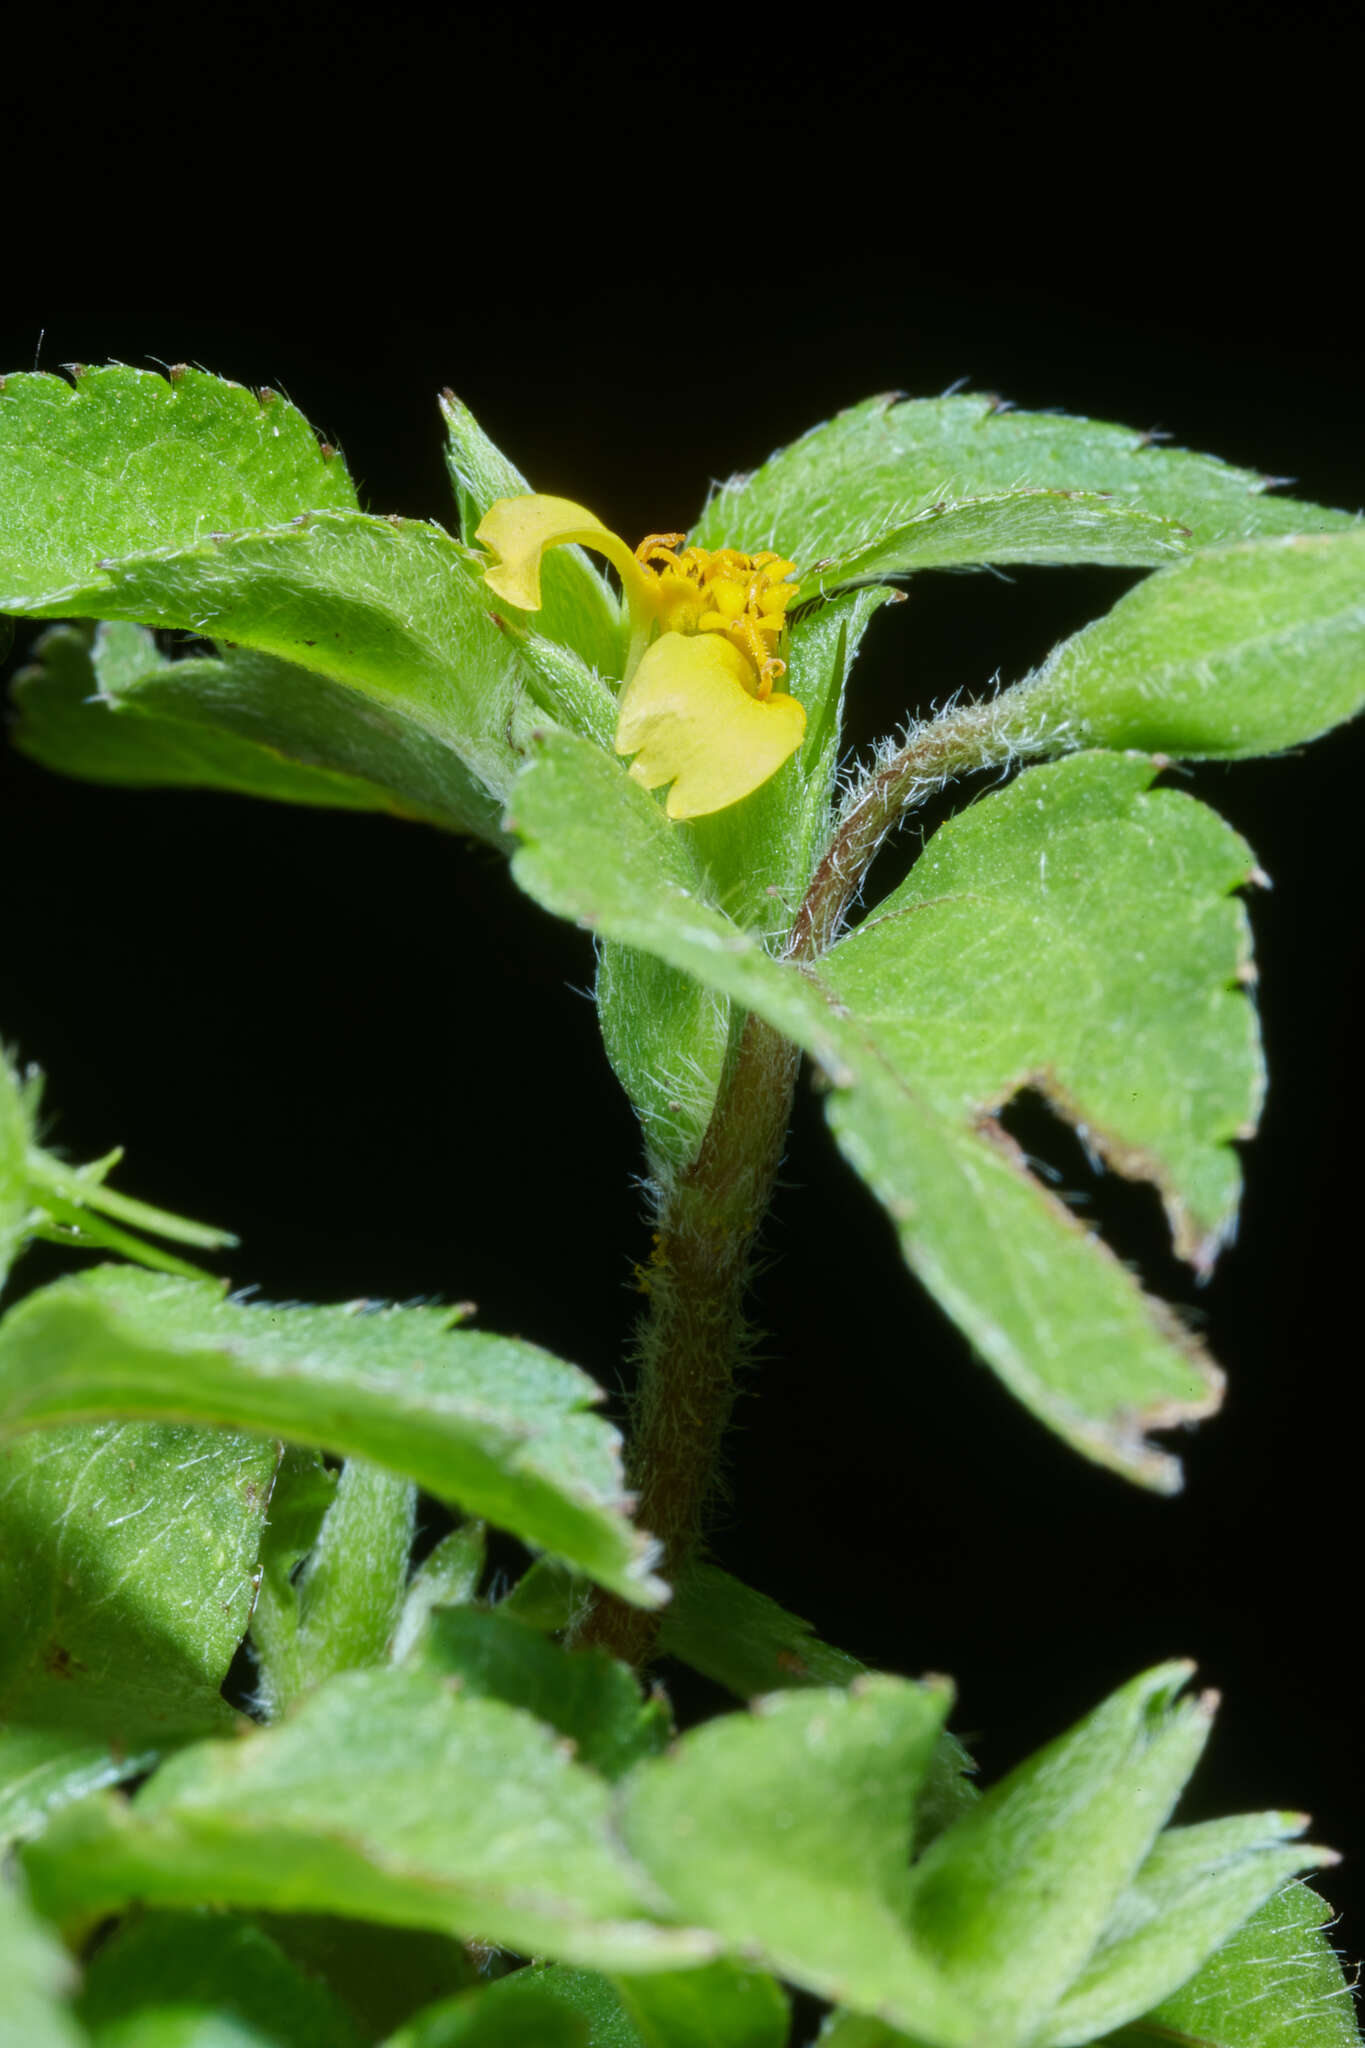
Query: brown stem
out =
(695, 1333)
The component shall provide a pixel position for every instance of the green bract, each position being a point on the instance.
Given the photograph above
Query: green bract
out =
(386, 1796)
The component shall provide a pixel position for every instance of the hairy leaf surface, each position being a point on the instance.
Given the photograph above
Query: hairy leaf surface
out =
(894, 481)
(132, 1552)
(244, 723)
(123, 460)
(1062, 1321)
(387, 1796)
(1241, 651)
(1276, 1984)
(788, 1832)
(498, 1426)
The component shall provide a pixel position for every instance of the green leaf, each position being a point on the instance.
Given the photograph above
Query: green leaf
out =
(1242, 651)
(349, 1595)
(139, 1543)
(304, 1490)
(1276, 1984)
(1012, 1900)
(900, 476)
(719, 2005)
(577, 606)
(788, 1831)
(511, 2013)
(44, 1768)
(1062, 1321)
(382, 1975)
(495, 1425)
(125, 460)
(449, 1577)
(1196, 1888)
(1077, 931)
(334, 1811)
(14, 1144)
(244, 723)
(35, 1972)
(745, 1641)
(205, 1980)
(584, 1694)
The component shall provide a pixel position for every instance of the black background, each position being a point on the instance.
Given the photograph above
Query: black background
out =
(646, 258)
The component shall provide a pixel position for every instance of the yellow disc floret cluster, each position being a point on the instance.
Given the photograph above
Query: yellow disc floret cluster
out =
(720, 590)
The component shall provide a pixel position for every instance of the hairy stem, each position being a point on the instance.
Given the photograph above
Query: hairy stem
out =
(694, 1335)
(990, 734)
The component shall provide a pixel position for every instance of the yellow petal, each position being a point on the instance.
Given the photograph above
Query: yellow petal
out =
(689, 716)
(519, 530)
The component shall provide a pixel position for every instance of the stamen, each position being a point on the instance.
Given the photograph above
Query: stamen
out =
(723, 590)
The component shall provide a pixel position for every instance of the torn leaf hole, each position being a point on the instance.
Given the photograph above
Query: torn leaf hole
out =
(1127, 1213)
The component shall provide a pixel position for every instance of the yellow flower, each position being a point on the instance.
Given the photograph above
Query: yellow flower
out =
(699, 708)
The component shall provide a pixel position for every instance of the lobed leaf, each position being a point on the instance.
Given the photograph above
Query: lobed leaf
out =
(498, 1426)
(124, 460)
(1077, 932)
(900, 475)
(205, 1980)
(386, 1796)
(787, 1831)
(244, 723)
(1242, 651)
(1052, 1310)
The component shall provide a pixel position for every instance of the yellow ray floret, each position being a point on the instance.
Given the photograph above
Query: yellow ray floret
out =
(700, 708)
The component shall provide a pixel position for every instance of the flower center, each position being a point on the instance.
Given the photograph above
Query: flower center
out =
(720, 590)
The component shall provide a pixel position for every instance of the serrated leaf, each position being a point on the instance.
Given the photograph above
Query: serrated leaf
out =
(1061, 1320)
(1242, 651)
(578, 608)
(1276, 1984)
(1012, 1899)
(1077, 932)
(139, 1545)
(333, 1811)
(125, 460)
(849, 484)
(243, 723)
(584, 1694)
(35, 1972)
(205, 1980)
(788, 1831)
(1195, 1889)
(498, 1426)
